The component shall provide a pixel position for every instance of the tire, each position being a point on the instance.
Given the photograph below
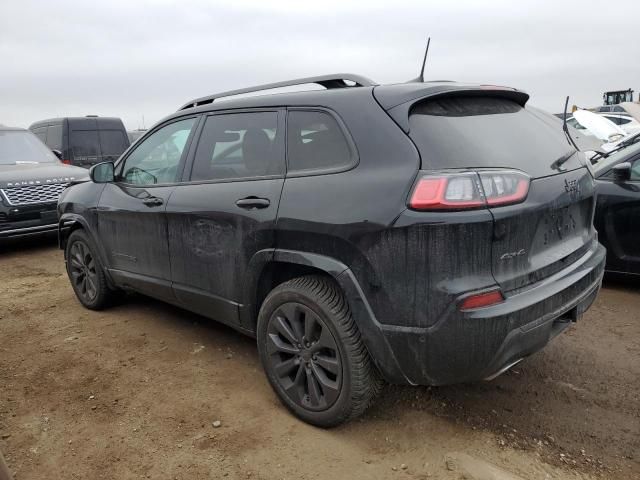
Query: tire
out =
(86, 273)
(312, 352)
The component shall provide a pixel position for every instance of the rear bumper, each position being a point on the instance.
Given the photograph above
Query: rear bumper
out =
(475, 345)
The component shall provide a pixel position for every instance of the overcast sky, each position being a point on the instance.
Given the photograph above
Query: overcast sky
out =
(146, 58)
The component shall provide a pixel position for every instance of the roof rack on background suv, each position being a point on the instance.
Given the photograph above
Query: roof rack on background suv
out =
(336, 80)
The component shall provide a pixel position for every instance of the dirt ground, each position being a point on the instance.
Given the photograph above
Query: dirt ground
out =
(132, 392)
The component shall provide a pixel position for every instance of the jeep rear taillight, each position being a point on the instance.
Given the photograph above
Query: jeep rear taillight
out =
(468, 190)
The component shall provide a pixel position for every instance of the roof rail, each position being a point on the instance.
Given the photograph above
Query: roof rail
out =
(336, 80)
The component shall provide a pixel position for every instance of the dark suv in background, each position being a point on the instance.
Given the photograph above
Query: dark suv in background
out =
(31, 179)
(420, 233)
(83, 141)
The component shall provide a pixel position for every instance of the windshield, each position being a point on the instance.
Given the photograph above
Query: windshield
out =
(20, 146)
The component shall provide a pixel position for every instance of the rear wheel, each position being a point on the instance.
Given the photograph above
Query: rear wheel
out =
(312, 352)
(86, 272)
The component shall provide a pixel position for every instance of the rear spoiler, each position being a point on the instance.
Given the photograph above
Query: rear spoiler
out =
(398, 104)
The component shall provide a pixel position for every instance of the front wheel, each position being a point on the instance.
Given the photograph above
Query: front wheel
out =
(313, 354)
(86, 273)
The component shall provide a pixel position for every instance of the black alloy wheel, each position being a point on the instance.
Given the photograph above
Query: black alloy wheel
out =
(312, 352)
(82, 270)
(304, 356)
(86, 273)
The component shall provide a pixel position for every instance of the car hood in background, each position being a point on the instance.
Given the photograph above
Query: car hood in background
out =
(601, 127)
(24, 174)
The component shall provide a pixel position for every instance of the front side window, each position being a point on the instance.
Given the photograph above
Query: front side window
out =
(156, 159)
(239, 145)
(315, 141)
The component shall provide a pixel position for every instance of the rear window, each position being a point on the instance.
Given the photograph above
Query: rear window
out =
(459, 132)
(84, 145)
(112, 144)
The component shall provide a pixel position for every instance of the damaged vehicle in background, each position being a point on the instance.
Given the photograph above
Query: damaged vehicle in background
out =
(609, 135)
(359, 233)
(31, 179)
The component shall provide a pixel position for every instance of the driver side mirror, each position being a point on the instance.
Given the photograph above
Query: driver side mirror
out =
(622, 172)
(57, 153)
(102, 172)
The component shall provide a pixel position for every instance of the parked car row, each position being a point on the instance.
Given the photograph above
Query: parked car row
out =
(422, 233)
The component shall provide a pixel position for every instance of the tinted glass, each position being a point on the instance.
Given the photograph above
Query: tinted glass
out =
(458, 132)
(239, 145)
(84, 146)
(623, 120)
(315, 141)
(635, 171)
(41, 133)
(21, 146)
(112, 144)
(54, 137)
(156, 159)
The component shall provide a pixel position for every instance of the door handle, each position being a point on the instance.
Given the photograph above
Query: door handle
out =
(253, 202)
(152, 202)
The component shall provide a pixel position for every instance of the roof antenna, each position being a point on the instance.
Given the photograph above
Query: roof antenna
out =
(420, 78)
(564, 125)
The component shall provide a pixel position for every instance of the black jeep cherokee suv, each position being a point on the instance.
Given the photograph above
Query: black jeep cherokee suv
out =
(31, 179)
(422, 233)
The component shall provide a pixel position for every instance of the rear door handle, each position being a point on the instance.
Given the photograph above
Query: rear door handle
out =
(253, 202)
(153, 202)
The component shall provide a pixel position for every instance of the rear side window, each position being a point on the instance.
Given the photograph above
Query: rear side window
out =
(112, 144)
(484, 131)
(239, 145)
(315, 141)
(54, 137)
(84, 145)
(41, 133)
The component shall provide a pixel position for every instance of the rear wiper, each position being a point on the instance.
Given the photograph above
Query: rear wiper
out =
(565, 128)
(558, 163)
